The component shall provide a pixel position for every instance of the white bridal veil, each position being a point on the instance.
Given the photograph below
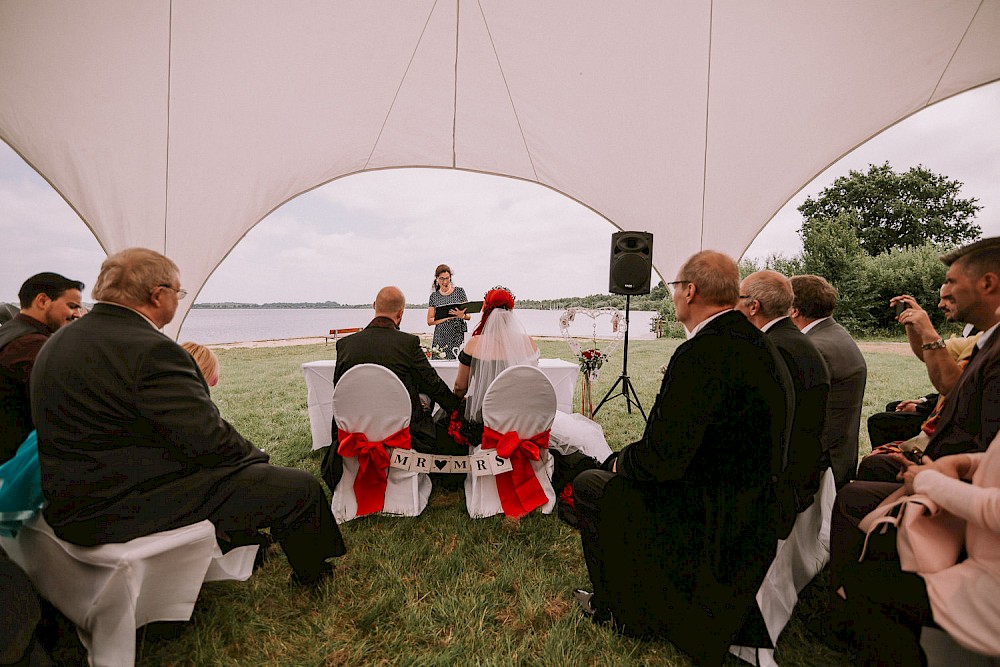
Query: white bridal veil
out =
(502, 343)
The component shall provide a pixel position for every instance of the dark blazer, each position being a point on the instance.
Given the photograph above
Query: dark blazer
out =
(383, 344)
(811, 378)
(970, 416)
(20, 340)
(685, 529)
(129, 441)
(848, 376)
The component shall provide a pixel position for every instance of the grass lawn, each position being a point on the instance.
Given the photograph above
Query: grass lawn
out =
(441, 589)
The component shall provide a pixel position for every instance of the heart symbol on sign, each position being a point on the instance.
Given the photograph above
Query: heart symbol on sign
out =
(439, 464)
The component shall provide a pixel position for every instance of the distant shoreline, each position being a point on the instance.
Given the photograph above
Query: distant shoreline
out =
(902, 349)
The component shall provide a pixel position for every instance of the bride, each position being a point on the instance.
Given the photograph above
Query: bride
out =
(497, 343)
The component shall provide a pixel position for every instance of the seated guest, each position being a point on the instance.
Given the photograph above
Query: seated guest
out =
(207, 362)
(8, 311)
(48, 302)
(888, 606)
(945, 359)
(970, 415)
(812, 313)
(766, 299)
(498, 342)
(903, 420)
(382, 343)
(131, 444)
(677, 530)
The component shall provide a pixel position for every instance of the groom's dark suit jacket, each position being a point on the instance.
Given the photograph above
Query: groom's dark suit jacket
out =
(382, 343)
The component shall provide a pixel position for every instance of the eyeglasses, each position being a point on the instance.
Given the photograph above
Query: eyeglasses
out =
(747, 297)
(672, 285)
(181, 292)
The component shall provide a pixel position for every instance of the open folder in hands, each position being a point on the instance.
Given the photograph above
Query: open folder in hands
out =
(441, 312)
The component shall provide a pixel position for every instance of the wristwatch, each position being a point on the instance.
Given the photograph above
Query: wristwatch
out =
(935, 345)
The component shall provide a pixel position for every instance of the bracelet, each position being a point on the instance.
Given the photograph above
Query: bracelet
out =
(935, 345)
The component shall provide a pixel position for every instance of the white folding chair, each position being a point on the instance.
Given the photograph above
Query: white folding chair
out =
(799, 558)
(520, 400)
(110, 590)
(371, 403)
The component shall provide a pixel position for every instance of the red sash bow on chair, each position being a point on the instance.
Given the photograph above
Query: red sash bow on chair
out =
(519, 490)
(373, 465)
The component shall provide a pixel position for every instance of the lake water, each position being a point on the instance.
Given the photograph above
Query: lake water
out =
(236, 325)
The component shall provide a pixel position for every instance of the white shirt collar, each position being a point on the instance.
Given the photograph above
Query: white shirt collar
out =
(701, 325)
(986, 336)
(809, 326)
(773, 322)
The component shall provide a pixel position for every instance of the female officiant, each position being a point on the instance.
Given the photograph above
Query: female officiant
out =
(449, 332)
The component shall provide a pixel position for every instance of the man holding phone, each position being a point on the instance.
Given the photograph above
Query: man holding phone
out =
(970, 416)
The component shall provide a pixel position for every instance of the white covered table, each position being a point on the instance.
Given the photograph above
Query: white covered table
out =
(319, 387)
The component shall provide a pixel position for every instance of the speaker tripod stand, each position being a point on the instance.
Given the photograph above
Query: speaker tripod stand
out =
(628, 391)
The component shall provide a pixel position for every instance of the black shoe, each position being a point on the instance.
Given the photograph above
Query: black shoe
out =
(313, 580)
(584, 599)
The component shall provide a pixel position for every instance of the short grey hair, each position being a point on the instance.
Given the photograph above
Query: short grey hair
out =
(772, 291)
(129, 277)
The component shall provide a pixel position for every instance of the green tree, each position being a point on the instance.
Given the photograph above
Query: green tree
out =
(832, 249)
(890, 210)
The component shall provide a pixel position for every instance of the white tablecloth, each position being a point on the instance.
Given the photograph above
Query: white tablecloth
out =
(319, 387)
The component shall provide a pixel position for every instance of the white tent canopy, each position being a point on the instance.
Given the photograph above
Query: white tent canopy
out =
(180, 124)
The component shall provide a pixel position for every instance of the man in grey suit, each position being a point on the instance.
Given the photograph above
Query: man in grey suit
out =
(130, 442)
(812, 308)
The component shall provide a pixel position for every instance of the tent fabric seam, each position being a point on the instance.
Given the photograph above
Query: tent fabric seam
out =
(954, 52)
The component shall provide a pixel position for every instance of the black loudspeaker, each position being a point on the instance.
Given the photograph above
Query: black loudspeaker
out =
(631, 262)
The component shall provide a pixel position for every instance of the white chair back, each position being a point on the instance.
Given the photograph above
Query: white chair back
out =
(520, 399)
(798, 559)
(372, 400)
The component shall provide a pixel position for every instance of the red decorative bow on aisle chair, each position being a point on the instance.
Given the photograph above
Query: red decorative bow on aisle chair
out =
(373, 465)
(519, 490)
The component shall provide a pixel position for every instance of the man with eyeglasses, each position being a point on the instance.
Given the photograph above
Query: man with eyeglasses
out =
(130, 442)
(677, 528)
(766, 300)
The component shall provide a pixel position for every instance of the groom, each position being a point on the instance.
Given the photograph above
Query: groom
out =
(382, 343)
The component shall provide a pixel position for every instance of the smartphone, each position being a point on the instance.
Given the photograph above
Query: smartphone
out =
(900, 307)
(915, 455)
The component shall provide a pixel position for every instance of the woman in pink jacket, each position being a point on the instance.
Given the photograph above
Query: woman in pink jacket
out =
(964, 600)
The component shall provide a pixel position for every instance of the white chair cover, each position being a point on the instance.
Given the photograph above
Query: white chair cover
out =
(370, 399)
(110, 590)
(798, 559)
(521, 399)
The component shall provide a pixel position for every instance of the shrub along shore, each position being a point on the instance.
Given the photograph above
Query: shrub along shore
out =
(442, 589)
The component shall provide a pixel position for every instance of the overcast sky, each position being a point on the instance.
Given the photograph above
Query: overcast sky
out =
(329, 243)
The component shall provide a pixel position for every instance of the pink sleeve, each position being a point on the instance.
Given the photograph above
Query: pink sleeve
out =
(977, 505)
